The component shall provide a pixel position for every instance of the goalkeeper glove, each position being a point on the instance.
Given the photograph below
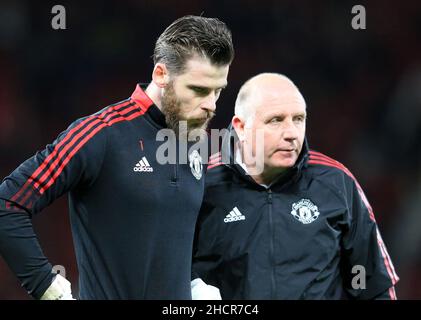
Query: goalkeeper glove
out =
(202, 291)
(58, 290)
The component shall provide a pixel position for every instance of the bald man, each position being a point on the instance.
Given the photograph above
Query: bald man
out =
(279, 221)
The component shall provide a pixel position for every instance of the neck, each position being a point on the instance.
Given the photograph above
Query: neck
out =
(259, 172)
(267, 176)
(154, 93)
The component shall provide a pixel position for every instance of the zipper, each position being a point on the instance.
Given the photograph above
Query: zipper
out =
(272, 246)
(174, 178)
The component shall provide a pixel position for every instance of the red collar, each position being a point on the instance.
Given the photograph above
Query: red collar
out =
(140, 97)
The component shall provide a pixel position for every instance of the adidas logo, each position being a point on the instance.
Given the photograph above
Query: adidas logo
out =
(143, 166)
(234, 215)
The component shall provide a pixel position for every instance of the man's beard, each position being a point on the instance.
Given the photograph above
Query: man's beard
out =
(183, 128)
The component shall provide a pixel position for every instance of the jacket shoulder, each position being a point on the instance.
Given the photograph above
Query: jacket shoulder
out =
(328, 169)
(217, 172)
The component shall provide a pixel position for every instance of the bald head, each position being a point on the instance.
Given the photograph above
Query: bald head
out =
(262, 88)
(270, 122)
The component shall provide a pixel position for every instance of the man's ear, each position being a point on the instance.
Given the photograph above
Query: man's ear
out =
(238, 124)
(160, 75)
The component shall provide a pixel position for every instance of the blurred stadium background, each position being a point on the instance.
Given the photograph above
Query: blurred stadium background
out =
(363, 91)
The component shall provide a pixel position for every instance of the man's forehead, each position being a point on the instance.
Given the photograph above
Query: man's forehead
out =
(201, 69)
(269, 101)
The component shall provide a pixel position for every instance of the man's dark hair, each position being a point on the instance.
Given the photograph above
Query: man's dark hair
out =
(194, 35)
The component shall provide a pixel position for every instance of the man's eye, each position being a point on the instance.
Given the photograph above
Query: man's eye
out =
(274, 120)
(201, 91)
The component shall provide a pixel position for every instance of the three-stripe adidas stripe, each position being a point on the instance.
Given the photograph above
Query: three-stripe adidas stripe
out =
(47, 173)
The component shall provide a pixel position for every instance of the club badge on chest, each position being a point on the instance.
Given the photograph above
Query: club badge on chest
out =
(196, 165)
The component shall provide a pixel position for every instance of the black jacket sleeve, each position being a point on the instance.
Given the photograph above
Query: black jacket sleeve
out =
(20, 249)
(388, 294)
(205, 265)
(367, 269)
(72, 160)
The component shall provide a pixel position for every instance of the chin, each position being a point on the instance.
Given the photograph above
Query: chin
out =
(286, 163)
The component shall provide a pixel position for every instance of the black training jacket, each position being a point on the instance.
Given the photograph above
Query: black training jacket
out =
(132, 218)
(307, 236)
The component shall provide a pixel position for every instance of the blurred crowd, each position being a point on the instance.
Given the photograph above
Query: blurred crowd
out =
(362, 88)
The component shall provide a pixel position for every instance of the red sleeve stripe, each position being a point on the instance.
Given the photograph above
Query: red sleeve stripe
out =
(321, 159)
(34, 179)
(86, 139)
(108, 117)
(215, 155)
(386, 258)
(360, 191)
(320, 156)
(53, 165)
(392, 293)
(210, 166)
(53, 176)
(215, 160)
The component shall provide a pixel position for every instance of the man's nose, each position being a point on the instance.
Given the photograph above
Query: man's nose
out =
(210, 103)
(290, 131)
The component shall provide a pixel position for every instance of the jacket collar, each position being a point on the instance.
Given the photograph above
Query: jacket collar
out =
(142, 100)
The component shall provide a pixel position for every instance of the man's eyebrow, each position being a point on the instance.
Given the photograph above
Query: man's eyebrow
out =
(194, 86)
(284, 114)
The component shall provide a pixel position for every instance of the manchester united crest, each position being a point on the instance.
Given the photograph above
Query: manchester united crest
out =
(305, 211)
(196, 164)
